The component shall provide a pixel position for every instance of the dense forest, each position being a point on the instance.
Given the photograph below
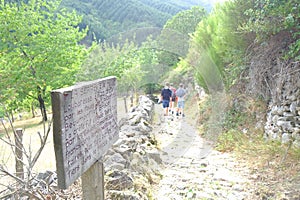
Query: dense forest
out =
(246, 50)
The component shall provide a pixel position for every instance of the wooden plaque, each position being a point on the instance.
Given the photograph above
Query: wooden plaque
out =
(84, 126)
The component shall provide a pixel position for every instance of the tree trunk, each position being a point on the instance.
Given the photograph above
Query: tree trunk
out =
(32, 110)
(42, 107)
(12, 116)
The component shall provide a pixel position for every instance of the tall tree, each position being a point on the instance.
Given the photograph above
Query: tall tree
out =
(39, 50)
(176, 33)
(217, 45)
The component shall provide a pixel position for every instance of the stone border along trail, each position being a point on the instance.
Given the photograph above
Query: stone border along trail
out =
(192, 169)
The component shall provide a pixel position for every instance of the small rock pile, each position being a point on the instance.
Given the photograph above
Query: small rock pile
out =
(283, 119)
(133, 163)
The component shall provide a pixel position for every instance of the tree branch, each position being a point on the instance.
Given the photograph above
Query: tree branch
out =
(43, 143)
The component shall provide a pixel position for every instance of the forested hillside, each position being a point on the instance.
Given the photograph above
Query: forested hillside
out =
(106, 18)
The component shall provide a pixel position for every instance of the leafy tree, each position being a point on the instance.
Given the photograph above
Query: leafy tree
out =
(269, 17)
(39, 50)
(221, 39)
(175, 35)
(107, 60)
(134, 65)
(186, 21)
(131, 78)
(218, 43)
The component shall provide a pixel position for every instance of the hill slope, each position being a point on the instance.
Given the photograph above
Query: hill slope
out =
(106, 18)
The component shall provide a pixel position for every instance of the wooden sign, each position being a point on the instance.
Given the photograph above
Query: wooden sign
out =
(84, 126)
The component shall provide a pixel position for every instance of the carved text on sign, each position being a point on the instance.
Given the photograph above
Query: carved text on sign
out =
(87, 126)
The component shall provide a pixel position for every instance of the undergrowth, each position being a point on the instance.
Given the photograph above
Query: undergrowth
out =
(275, 166)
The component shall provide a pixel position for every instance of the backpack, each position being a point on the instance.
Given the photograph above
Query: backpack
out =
(173, 93)
(180, 92)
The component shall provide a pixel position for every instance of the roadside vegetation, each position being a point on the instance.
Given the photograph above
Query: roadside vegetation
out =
(274, 166)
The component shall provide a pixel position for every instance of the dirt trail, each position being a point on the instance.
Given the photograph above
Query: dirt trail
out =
(193, 170)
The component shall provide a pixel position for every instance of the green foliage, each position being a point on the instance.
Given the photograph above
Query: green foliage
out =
(2, 113)
(295, 49)
(235, 119)
(220, 42)
(151, 88)
(39, 50)
(131, 78)
(134, 66)
(105, 60)
(174, 38)
(266, 18)
(270, 17)
(186, 21)
(199, 79)
(181, 74)
(155, 69)
(217, 39)
(235, 122)
(230, 140)
(225, 34)
(174, 6)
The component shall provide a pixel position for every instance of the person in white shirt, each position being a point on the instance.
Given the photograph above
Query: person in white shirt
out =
(180, 93)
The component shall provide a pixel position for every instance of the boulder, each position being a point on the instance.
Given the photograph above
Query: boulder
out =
(118, 180)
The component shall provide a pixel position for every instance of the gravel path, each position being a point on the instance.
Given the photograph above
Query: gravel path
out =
(192, 169)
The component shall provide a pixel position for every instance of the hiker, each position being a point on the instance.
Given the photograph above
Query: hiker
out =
(173, 99)
(180, 93)
(200, 92)
(166, 95)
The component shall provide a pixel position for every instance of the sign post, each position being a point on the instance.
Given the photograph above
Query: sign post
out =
(84, 128)
(93, 182)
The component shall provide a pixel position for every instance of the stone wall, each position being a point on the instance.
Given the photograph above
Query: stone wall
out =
(276, 81)
(283, 118)
(133, 163)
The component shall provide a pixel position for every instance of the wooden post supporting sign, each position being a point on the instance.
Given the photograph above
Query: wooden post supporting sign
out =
(93, 182)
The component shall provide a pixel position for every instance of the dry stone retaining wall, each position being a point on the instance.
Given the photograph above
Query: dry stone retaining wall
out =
(283, 118)
(276, 81)
(133, 163)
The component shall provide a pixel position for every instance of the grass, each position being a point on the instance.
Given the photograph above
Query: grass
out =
(24, 124)
(31, 142)
(274, 166)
